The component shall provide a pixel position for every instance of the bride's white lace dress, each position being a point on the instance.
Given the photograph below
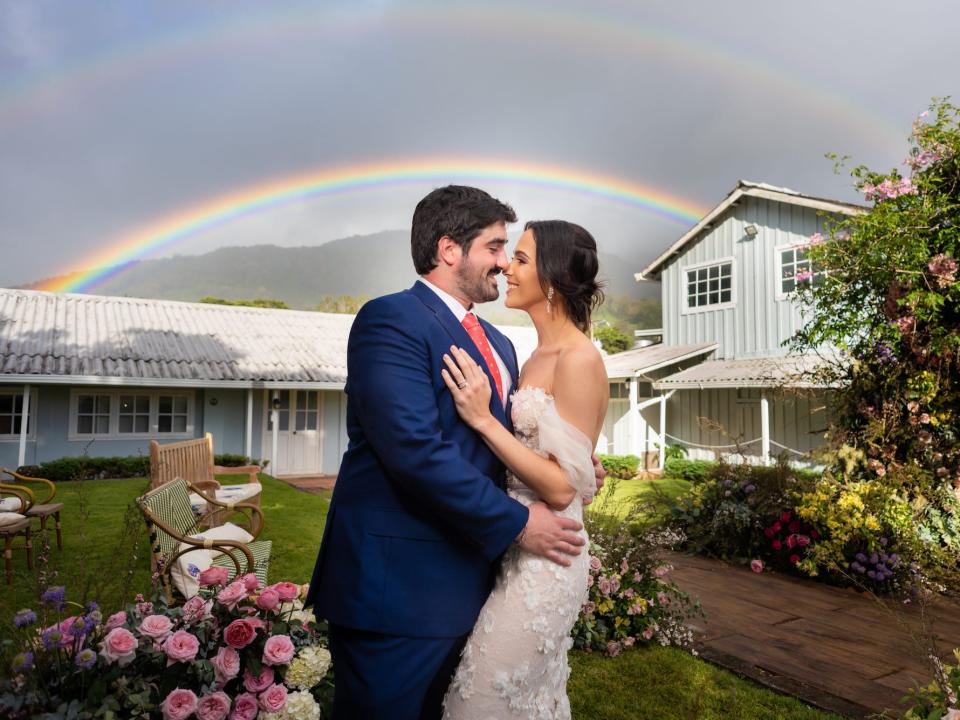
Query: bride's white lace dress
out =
(514, 664)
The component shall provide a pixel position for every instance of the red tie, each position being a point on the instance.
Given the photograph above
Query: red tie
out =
(475, 331)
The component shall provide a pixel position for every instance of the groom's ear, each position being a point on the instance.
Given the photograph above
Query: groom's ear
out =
(449, 251)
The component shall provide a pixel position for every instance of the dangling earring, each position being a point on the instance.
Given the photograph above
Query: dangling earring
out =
(550, 301)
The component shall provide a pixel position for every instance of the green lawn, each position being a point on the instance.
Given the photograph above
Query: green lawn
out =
(652, 497)
(106, 558)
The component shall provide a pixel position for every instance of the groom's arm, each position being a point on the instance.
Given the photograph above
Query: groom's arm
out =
(391, 386)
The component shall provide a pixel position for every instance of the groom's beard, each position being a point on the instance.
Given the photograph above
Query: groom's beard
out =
(477, 283)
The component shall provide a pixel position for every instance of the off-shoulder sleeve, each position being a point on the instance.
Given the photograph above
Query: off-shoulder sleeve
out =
(571, 449)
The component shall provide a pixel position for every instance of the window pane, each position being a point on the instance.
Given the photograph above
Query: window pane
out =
(126, 423)
(301, 421)
(179, 423)
(164, 423)
(103, 404)
(180, 404)
(702, 287)
(725, 296)
(802, 254)
(166, 404)
(84, 424)
(18, 403)
(726, 270)
(691, 276)
(725, 283)
(17, 424)
(85, 404)
(284, 423)
(143, 404)
(313, 400)
(714, 271)
(102, 425)
(312, 421)
(714, 284)
(691, 301)
(126, 403)
(786, 257)
(714, 298)
(789, 285)
(6, 425)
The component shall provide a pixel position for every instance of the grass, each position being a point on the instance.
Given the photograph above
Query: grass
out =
(650, 497)
(106, 557)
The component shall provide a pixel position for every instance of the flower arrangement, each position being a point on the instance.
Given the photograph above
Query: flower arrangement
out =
(237, 650)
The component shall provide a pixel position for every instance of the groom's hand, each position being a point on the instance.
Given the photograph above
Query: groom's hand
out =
(551, 536)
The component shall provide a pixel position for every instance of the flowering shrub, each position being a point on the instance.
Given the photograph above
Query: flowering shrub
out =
(630, 598)
(789, 538)
(237, 650)
(939, 699)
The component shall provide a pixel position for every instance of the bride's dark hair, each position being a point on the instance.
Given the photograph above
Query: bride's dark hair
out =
(567, 262)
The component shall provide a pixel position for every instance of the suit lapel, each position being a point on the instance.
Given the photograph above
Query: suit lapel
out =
(461, 339)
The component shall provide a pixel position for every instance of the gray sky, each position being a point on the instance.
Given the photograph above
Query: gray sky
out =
(115, 115)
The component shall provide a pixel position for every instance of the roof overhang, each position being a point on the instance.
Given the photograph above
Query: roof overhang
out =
(22, 379)
(683, 354)
(764, 373)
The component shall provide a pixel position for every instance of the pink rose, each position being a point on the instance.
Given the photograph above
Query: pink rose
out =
(213, 576)
(179, 704)
(240, 633)
(287, 591)
(181, 647)
(157, 627)
(244, 707)
(595, 562)
(258, 683)
(119, 646)
(226, 664)
(251, 582)
(278, 650)
(196, 609)
(756, 566)
(232, 594)
(269, 599)
(213, 707)
(273, 698)
(115, 621)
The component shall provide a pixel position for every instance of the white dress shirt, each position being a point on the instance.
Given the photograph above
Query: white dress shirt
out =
(460, 313)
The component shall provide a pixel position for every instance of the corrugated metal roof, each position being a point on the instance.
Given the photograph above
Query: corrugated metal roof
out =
(760, 372)
(640, 360)
(56, 336)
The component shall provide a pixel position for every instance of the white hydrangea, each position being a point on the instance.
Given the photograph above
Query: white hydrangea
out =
(304, 616)
(300, 705)
(308, 668)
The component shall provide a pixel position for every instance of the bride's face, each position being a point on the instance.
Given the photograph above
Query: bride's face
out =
(523, 283)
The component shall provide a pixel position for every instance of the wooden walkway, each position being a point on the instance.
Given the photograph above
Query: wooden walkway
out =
(314, 484)
(835, 649)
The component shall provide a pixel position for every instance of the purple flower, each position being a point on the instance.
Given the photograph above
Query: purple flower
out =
(24, 617)
(750, 488)
(55, 596)
(86, 659)
(23, 662)
(861, 558)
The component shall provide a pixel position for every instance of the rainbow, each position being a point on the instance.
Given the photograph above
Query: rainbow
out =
(177, 227)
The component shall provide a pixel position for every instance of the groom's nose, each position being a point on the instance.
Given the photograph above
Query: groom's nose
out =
(503, 262)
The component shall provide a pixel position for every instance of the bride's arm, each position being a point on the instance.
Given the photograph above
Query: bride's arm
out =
(542, 475)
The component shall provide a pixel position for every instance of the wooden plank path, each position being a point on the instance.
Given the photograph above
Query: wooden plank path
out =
(836, 649)
(314, 484)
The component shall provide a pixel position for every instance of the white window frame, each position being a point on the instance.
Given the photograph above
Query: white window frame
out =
(780, 295)
(685, 309)
(32, 415)
(114, 432)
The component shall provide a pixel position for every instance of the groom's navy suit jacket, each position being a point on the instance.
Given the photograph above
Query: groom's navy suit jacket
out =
(419, 515)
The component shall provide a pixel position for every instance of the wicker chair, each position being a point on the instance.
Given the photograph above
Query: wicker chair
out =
(44, 509)
(13, 523)
(171, 520)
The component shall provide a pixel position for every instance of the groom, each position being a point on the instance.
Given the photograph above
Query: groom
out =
(419, 517)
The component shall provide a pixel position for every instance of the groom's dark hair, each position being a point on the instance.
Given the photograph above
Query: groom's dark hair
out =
(457, 211)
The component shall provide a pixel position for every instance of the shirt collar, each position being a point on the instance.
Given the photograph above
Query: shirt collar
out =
(449, 300)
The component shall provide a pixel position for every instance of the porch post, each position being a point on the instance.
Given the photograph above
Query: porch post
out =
(634, 411)
(248, 442)
(764, 428)
(663, 430)
(275, 419)
(24, 421)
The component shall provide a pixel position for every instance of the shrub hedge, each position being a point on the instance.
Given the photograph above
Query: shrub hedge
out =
(88, 468)
(621, 466)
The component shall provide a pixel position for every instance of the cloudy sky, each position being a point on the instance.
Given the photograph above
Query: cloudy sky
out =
(116, 116)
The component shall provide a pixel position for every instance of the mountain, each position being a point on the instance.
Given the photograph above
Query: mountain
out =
(360, 265)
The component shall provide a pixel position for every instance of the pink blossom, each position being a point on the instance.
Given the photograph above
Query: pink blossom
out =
(614, 584)
(662, 598)
(144, 608)
(213, 707)
(924, 418)
(614, 648)
(226, 664)
(816, 238)
(662, 570)
(648, 633)
(268, 600)
(604, 585)
(637, 577)
(595, 563)
(589, 581)
(756, 566)
(803, 540)
(244, 707)
(624, 566)
(181, 647)
(804, 275)
(251, 582)
(905, 324)
(240, 633)
(119, 646)
(179, 704)
(157, 627)
(589, 608)
(273, 698)
(287, 591)
(278, 650)
(213, 576)
(232, 594)
(196, 609)
(115, 621)
(258, 683)
(944, 269)
(628, 642)
(628, 593)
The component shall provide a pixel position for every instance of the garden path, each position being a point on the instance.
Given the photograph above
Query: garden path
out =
(836, 649)
(314, 484)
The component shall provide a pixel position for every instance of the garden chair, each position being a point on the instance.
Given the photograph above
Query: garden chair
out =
(192, 460)
(13, 522)
(45, 509)
(172, 523)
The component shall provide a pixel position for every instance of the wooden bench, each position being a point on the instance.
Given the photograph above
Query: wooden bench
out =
(192, 460)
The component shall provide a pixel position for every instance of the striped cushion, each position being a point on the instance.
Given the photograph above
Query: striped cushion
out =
(187, 568)
(261, 558)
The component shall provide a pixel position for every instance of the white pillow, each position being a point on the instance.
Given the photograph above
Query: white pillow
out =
(188, 567)
(226, 494)
(10, 518)
(10, 504)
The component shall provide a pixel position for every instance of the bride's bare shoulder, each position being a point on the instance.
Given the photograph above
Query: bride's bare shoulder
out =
(580, 366)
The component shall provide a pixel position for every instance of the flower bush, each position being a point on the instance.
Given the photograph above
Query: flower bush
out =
(620, 466)
(630, 598)
(941, 698)
(237, 650)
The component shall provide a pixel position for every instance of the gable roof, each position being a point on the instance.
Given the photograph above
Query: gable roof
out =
(636, 362)
(89, 339)
(751, 189)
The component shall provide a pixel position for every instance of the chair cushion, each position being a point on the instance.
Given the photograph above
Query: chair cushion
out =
(188, 567)
(10, 504)
(227, 493)
(10, 519)
(261, 559)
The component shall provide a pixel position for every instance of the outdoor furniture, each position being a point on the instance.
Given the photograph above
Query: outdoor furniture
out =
(44, 509)
(12, 524)
(171, 524)
(192, 460)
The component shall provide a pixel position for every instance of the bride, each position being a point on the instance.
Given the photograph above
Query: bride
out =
(515, 661)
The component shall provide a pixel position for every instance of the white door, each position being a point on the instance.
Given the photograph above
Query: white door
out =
(298, 432)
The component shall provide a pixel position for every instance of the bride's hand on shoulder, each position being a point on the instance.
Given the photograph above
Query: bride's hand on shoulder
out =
(469, 386)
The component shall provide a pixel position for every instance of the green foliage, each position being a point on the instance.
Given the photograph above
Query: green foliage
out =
(674, 452)
(628, 314)
(259, 302)
(689, 470)
(620, 466)
(342, 304)
(612, 339)
(234, 460)
(933, 701)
